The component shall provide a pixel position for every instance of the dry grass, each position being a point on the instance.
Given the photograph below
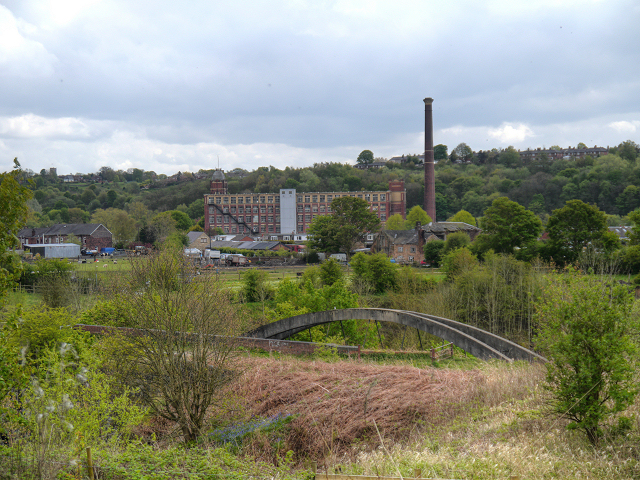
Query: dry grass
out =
(484, 423)
(337, 403)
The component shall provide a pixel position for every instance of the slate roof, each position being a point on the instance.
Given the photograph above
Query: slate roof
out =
(62, 229)
(193, 236)
(244, 245)
(401, 237)
(218, 175)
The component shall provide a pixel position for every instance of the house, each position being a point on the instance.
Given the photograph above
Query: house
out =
(92, 236)
(199, 240)
(402, 246)
(406, 246)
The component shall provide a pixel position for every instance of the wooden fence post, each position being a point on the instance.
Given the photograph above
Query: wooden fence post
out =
(90, 464)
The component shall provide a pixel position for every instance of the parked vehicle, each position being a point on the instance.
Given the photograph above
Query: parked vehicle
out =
(237, 260)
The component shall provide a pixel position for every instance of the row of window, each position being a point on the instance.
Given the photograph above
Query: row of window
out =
(369, 197)
(413, 249)
(242, 229)
(242, 218)
(242, 200)
(242, 209)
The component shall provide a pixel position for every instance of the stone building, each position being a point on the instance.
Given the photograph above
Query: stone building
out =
(91, 235)
(288, 212)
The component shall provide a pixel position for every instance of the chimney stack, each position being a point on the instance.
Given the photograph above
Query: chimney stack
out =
(429, 164)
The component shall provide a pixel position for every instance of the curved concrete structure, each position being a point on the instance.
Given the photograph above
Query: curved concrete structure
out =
(475, 341)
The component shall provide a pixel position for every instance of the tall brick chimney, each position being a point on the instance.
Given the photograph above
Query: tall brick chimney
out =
(429, 164)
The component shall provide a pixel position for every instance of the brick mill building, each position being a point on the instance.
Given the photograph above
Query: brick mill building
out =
(289, 211)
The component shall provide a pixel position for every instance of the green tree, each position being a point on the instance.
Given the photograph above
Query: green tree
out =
(395, 222)
(416, 214)
(509, 157)
(375, 270)
(455, 241)
(433, 252)
(585, 326)
(573, 227)
(440, 152)
(629, 150)
(365, 157)
(508, 225)
(349, 222)
(331, 272)
(634, 234)
(463, 216)
(119, 223)
(463, 152)
(13, 216)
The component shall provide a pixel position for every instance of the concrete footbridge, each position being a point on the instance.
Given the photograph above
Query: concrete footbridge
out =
(477, 342)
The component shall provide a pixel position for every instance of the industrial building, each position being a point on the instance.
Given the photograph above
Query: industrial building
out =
(288, 212)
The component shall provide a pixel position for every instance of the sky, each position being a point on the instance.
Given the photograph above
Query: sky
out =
(182, 86)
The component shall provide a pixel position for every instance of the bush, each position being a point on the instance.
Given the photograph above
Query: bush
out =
(585, 326)
(255, 286)
(375, 270)
(331, 272)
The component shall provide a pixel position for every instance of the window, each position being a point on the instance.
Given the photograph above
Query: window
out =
(274, 237)
(271, 230)
(383, 207)
(277, 199)
(367, 197)
(411, 259)
(300, 227)
(255, 209)
(219, 219)
(413, 249)
(240, 199)
(314, 208)
(247, 200)
(370, 236)
(255, 219)
(225, 199)
(263, 209)
(307, 218)
(286, 237)
(359, 195)
(400, 249)
(240, 209)
(307, 198)
(218, 200)
(212, 219)
(321, 198)
(329, 198)
(300, 218)
(211, 210)
(277, 229)
(263, 219)
(233, 229)
(314, 198)
(262, 199)
(375, 197)
(307, 208)
(270, 219)
(255, 199)
(226, 219)
(277, 209)
(209, 200)
(269, 199)
(262, 228)
(203, 240)
(270, 209)
(322, 208)
(232, 209)
(383, 217)
(233, 200)
(300, 207)
(383, 197)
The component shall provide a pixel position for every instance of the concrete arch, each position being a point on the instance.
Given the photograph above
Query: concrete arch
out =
(475, 341)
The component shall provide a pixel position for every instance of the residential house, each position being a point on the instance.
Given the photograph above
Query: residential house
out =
(91, 235)
(199, 240)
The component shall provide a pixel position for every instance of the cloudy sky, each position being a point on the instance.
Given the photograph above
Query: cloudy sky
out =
(167, 86)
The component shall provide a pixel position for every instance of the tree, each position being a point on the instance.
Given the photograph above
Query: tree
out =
(395, 222)
(433, 252)
(119, 223)
(349, 222)
(509, 157)
(581, 145)
(416, 214)
(455, 241)
(365, 157)
(585, 326)
(331, 272)
(440, 152)
(463, 216)
(463, 152)
(186, 354)
(628, 150)
(375, 270)
(634, 234)
(508, 225)
(573, 227)
(13, 215)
